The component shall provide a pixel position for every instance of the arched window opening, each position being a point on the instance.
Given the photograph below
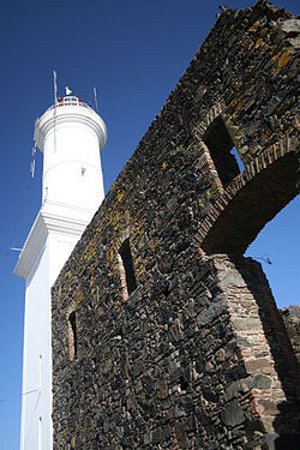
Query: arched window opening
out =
(127, 275)
(223, 153)
(72, 336)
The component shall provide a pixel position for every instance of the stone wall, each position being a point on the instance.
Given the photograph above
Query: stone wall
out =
(194, 357)
(291, 318)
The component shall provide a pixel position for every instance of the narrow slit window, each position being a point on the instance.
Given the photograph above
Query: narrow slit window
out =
(128, 281)
(72, 336)
(223, 152)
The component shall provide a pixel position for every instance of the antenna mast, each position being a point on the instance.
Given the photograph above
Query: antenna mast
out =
(95, 98)
(32, 165)
(55, 87)
(55, 105)
(33, 152)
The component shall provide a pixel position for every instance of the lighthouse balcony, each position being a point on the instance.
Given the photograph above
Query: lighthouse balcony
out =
(69, 101)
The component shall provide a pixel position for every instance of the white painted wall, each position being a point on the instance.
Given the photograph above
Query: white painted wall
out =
(36, 357)
(72, 172)
(70, 137)
(60, 248)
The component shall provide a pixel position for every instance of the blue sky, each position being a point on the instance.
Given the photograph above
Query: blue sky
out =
(133, 51)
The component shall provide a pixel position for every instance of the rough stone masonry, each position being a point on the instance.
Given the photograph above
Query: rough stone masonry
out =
(164, 335)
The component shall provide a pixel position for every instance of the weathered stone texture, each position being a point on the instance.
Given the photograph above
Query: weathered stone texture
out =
(198, 355)
(291, 318)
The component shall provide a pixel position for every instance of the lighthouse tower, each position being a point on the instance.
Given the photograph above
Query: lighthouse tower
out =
(70, 134)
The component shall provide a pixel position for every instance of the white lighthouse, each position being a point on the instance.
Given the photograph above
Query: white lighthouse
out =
(70, 134)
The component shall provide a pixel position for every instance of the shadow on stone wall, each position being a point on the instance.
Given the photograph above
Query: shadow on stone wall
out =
(287, 422)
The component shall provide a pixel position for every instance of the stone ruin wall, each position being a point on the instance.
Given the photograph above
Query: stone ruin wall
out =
(197, 356)
(291, 318)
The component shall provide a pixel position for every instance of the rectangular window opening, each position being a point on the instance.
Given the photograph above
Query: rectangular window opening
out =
(223, 152)
(72, 336)
(128, 281)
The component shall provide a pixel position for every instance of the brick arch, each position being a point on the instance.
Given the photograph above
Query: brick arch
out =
(251, 200)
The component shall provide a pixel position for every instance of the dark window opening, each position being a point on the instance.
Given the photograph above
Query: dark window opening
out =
(183, 384)
(166, 291)
(72, 336)
(128, 280)
(224, 155)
